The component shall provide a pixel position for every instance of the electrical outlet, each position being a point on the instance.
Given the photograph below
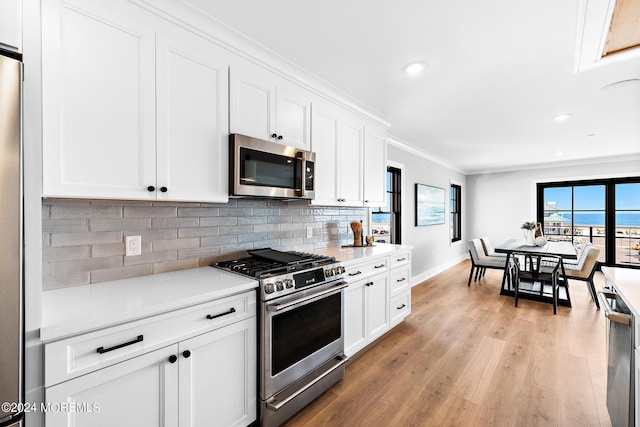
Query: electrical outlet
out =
(133, 245)
(309, 231)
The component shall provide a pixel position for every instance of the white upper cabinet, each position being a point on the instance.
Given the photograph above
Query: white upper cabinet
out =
(192, 137)
(98, 94)
(111, 72)
(375, 165)
(350, 158)
(350, 161)
(11, 25)
(326, 139)
(266, 106)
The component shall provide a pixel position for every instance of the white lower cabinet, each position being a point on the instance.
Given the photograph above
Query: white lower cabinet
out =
(366, 312)
(141, 392)
(218, 379)
(204, 380)
(377, 299)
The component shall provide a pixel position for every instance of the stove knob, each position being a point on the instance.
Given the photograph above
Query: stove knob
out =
(341, 269)
(279, 285)
(268, 288)
(328, 272)
(288, 283)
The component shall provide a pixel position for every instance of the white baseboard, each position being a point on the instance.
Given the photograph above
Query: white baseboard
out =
(436, 270)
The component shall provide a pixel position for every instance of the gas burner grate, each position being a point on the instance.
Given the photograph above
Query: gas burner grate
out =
(268, 262)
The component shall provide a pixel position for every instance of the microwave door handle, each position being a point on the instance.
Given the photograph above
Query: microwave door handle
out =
(303, 168)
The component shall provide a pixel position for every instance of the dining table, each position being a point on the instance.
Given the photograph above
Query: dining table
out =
(563, 249)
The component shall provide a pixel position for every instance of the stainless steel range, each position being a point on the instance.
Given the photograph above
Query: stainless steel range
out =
(301, 327)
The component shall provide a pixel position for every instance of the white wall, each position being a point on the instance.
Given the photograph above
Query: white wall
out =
(432, 251)
(498, 203)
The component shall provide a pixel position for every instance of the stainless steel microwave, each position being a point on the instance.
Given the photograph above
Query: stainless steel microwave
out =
(262, 168)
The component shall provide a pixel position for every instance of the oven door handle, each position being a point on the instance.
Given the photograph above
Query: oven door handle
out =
(278, 307)
(341, 360)
(610, 313)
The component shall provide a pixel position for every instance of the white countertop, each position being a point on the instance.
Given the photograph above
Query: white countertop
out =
(348, 255)
(79, 309)
(627, 283)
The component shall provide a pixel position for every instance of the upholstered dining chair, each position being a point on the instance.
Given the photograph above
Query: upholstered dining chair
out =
(488, 247)
(480, 261)
(584, 268)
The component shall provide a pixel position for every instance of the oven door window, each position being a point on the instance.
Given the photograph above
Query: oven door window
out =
(300, 332)
(268, 170)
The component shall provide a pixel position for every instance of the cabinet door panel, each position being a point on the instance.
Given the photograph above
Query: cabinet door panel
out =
(98, 101)
(375, 167)
(141, 392)
(355, 329)
(218, 379)
(378, 307)
(326, 128)
(11, 24)
(350, 161)
(192, 93)
(293, 116)
(252, 101)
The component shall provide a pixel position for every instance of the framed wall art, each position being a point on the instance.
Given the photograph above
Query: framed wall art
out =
(429, 205)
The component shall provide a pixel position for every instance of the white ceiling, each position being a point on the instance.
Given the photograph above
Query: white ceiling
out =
(497, 72)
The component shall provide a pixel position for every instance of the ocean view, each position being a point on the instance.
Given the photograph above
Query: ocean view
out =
(597, 218)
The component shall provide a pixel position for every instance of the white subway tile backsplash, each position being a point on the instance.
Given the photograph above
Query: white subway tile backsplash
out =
(83, 240)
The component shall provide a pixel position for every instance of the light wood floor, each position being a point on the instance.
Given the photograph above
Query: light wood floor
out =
(468, 357)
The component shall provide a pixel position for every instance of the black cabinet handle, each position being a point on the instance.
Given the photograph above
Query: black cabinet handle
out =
(273, 135)
(164, 189)
(356, 273)
(401, 259)
(173, 358)
(279, 136)
(379, 266)
(401, 280)
(102, 350)
(366, 201)
(186, 354)
(369, 284)
(215, 316)
(401, 307)
(151, 188)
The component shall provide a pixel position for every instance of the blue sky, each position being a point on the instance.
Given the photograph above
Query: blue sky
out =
(592, 197)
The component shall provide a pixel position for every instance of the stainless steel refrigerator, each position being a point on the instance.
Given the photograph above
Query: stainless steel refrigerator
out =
(11, 253)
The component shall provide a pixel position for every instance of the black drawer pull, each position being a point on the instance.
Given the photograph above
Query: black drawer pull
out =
(215, 316)
(173, 358)
(115, 347)
(369, 284)
(401, 307)
(356, 273)
(401, 280)
(186, 354)
(401, 259)
(379, 266)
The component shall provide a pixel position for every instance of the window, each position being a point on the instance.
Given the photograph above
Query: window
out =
(455, 207)
(604, 212)
(386, 221)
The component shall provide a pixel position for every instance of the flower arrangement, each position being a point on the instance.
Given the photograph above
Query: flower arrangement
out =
(528, 225)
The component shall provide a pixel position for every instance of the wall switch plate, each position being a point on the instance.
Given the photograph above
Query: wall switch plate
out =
(133, 245)
(309, 231)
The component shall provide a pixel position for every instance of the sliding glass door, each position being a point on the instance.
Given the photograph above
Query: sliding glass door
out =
(627, 219)
(604, 212)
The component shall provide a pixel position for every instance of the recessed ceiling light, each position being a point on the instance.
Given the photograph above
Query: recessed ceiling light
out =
(562, 117)
(414, 68)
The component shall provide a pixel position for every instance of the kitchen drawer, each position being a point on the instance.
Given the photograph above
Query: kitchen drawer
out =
(399, 280)
(400, 307)
(398, 260)
(71, 357)
(358, 271)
